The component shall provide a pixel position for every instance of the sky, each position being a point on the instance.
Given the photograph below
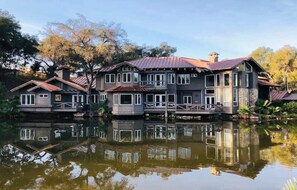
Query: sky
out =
(233, 28)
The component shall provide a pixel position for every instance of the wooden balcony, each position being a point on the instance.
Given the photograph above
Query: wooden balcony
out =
(67, 106)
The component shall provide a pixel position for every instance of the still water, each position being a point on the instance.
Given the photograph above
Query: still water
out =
(141, 154)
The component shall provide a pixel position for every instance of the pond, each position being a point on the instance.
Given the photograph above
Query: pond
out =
(146, 154)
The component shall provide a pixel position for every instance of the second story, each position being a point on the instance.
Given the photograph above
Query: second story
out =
(179, 73)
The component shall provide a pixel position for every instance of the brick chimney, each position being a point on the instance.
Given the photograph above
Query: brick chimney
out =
(63, 72)
(213, 57)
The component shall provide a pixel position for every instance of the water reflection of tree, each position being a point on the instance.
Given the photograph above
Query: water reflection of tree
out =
(284, 137)
(24, 171)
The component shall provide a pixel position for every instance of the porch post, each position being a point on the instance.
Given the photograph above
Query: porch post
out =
(166, 104)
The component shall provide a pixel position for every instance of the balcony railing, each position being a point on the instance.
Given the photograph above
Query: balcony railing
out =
(153, 84)
(67, 105)
(210, 108)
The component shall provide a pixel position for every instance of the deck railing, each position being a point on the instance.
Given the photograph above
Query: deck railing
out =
(199, 108)
(67, 105)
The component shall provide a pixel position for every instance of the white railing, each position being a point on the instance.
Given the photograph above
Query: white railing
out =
(67, 105)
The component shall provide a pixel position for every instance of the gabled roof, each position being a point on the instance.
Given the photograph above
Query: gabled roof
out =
(278, 95)
(82, 81)
(72, 84)
(38, 84)
(232, 63)
(126, 89)
(45, 86)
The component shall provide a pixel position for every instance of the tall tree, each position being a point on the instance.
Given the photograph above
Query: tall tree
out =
(263, 55)
(283, 63)
(15, 48)
(84, 44)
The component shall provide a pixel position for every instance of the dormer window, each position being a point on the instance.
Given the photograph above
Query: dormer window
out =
(109, 78)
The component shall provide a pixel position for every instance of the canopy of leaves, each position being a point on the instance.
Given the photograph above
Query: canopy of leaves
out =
(15, 47)
(281, 64)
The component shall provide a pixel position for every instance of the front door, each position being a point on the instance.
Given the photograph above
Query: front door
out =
(209, 101)
(160, 100)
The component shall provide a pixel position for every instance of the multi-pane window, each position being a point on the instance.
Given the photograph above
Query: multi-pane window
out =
(171, 78)
(235, 79)
(126, 68)
(209, 80)
(94, 98)
(235, 97)
(126, 99)
(137, 99)
(171, 100)
(27, 99)
(150, 79)
(149, 100)
(187, 99)
(126, 77)
(109, 78)
(183, 79)
(43, 95)
(102, 97)
(226, 79)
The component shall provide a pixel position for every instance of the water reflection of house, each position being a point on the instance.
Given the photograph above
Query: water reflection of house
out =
(137, 146)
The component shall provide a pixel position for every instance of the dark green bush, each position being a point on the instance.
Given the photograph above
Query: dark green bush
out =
(290, 107)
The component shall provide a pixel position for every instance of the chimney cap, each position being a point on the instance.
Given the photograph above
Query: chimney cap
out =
(214, 53)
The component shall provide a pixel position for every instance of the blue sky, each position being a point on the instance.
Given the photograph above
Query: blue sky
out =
(232, 28)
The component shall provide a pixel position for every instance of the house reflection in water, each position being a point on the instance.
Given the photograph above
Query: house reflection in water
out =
(136, 147)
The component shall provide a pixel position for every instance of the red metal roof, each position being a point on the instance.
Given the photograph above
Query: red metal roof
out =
(70, 83)
(82, 80)
(227, 64)
(278, 95)
(126, 89)
(291, 97)
(267, 83)
(45, 86)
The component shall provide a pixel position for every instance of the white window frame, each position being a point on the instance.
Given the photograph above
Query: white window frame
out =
(137, 99)
(43, 95)
(120, 99)
(185, 81)
(247, 80)
(31, 97)
(205, 81)
(249, 66)
(126, 77)
(102, 97)
(214, 91)
(235, 97)
(109, 77)
(218, 76)
(235, 79)
(225, 79)
(150, 78)
(152, 104)
(186, 99)
(171, 78)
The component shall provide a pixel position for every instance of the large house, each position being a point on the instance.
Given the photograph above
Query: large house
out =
(161, 85)
(180, 85)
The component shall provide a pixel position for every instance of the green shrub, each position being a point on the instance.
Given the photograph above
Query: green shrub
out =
(290, 107)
